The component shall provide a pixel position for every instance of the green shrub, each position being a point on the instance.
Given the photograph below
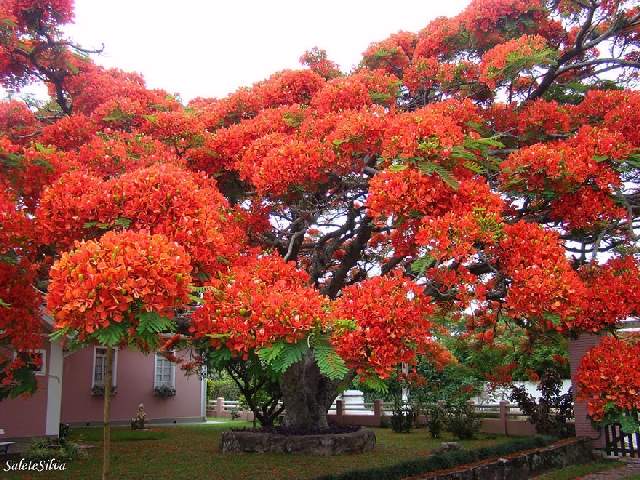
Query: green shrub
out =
(552, 411)
(401, 422)
(463, 421)
(384, 421)
(46, 449)
(401, 417)
(222, 387)
(441, 461)
(436, 420)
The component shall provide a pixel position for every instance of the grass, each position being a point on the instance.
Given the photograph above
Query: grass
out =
(92, 435)
(192, 451)
(577, 471)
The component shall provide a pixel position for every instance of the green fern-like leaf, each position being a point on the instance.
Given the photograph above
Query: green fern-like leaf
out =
(475, 167)
(331, 365)
(289, 354)
(58, 334)
(421, 264)
(461, 152)
(219, 358)
(196, 299)
(446, 176)
(112, 335)
(376, 384)
(397, 167)
(634, 160)
(151, 322)
(122, 222)
(487, 142)
(269, 354)
(492, 163)
(629, 425)
(24, 382)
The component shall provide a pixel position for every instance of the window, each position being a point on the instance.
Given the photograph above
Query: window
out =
(100, 366)
(40, 364)
(165, 374)
(36, 360)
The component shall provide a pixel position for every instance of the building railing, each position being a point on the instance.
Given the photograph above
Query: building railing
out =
(499, 418)
(621, 444)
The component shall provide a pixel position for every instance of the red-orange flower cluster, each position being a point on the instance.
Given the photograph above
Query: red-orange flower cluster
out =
(110, 280)
(263, 300)
(544, 288)
(391, 324)
(164, 199)
(609, 378)
(508, 59)
(613, 294)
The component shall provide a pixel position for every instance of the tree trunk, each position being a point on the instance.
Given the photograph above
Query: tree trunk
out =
(106, 441)
(307, 396)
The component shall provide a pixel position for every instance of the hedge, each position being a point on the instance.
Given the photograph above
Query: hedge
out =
(224, 387)
(442, 461)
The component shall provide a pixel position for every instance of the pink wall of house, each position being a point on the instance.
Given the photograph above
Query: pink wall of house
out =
(135, 382)
(577, 349)
(26, 416)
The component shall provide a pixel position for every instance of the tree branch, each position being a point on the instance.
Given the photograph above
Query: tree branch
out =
(354, 253)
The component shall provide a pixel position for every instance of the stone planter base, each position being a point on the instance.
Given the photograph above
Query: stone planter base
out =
(363, 440)
(520, 465)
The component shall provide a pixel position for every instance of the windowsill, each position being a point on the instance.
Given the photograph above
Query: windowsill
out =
(164, 391)
(98, 390)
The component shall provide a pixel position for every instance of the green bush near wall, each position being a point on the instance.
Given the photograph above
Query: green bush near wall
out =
(222, 387)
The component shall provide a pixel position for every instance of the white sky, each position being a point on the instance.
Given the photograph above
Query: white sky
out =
(210, 47)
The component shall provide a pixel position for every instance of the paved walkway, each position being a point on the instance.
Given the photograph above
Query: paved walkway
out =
(627, 471)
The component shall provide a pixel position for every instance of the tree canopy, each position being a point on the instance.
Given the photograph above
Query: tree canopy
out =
(479, 176)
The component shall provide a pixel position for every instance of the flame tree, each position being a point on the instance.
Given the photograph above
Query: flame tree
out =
(470, 174)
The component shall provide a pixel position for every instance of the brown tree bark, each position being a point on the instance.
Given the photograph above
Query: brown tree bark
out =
(106, 440)
(307, 396)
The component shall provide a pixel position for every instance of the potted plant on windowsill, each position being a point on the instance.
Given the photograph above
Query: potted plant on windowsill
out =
(164, 391)
(98, 390)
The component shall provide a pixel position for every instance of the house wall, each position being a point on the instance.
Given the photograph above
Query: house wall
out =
(577, 349)
(134, 382)
(54, 388)
(27, 416)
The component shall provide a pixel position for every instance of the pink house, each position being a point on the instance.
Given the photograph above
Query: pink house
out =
(38, 414)
(69, 391)
(136, 378)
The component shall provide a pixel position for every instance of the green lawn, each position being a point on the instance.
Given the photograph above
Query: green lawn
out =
(190, 452)
(578, 471)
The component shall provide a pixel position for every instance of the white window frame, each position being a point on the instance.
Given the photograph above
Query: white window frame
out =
(115, 367)
(43, 366)
(172, 382)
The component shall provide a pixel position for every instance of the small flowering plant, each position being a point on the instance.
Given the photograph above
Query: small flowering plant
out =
(98, 390)
(164, 391)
